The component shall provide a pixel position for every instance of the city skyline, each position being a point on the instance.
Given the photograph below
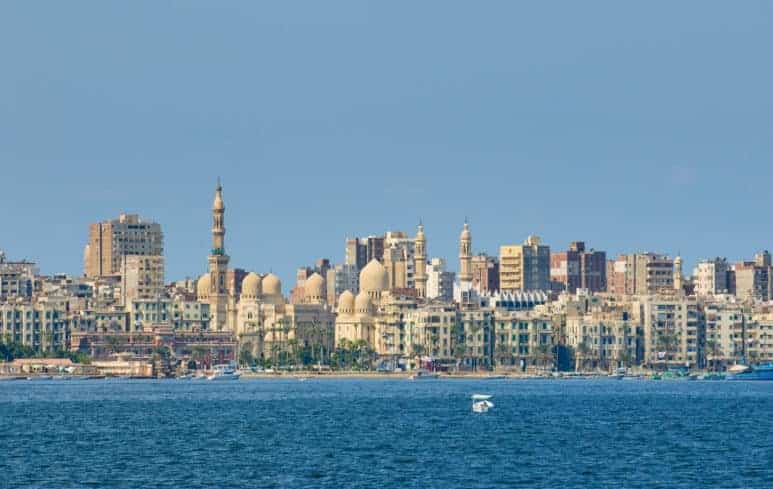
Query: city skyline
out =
(324, 124)
(288, 276)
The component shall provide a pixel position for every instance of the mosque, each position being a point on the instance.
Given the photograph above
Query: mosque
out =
(394, 321)
(254, 308)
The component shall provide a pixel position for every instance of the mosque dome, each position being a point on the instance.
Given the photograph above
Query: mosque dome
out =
(346, 303)
(363, 305)
(203, 286)
(374, 277)
(272, 286)
(251, 285)
(314, 288)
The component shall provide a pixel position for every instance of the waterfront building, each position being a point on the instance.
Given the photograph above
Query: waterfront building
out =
(578, 268)
(111, 240)
(476, 338)
(710, 277)
(523, 339)
(42, 324)
(485, 273)
(524, 267)
(673, 330)
(603, 337)
(429, 333)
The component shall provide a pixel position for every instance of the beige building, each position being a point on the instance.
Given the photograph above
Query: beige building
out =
(42, 324)
(640, 273)
(673, 329)
(602, 339)
(523, 339)
(524, 267)
(110, 241)
(142, 277)
(710, 277)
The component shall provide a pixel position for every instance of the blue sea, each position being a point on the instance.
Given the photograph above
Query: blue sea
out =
(364, 433)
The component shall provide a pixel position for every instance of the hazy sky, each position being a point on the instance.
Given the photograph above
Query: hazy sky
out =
(632, 126)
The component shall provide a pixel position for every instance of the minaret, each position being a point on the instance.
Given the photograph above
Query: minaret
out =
(218, 265)
(465, 255)
(420, 258)
(678, 277)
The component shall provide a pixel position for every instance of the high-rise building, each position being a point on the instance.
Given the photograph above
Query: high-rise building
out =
(110, 241)
(485, 273)
(753, 279)
(399, 259)
(578, 268)
(440, 282)
(341, 278)
(640, 273)
(356, 252)
(711, 277)
(360, 251)
(524, 267)
(142, 277)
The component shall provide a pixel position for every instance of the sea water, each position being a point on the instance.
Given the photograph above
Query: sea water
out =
(385, 433)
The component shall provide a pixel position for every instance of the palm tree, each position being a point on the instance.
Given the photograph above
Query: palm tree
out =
(581, 355)
(502, 353)
(544, 354)
(666, 343)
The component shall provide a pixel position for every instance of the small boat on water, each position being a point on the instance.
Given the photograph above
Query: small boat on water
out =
(224, 372)
(481, 403)
(423, 374)
(763, 371)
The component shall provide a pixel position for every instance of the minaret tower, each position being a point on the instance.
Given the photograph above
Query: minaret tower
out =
(678, 277)
(420, 257)
(218, 264)
(465, 255)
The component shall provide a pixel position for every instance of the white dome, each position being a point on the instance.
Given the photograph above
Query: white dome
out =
(346, 303)
(202, 287)
(314, 288)
(363, 305)
(251, 287)
(272, 286)
(374, 277)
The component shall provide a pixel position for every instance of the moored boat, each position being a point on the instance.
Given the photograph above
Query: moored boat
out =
(757, 372)
(224, 372)
(423, 374)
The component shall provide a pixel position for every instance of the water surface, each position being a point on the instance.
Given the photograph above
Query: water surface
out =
(385, 433)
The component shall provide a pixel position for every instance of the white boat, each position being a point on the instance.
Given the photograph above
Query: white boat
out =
(481, 403)
(738, 368)
(423, 374)
(224, 372)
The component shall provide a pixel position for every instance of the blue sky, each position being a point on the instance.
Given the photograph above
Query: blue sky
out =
(631, 126)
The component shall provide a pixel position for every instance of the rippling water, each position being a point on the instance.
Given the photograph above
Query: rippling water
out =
(379, 433)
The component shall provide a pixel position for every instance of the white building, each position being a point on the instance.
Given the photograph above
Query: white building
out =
(711, 277)
(440, 282)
